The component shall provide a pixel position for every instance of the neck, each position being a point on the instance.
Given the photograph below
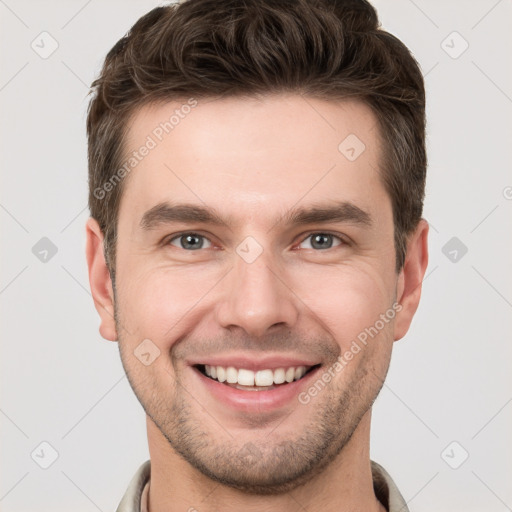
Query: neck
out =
(346, 484)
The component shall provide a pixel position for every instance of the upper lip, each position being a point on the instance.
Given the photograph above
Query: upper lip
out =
(251, 362)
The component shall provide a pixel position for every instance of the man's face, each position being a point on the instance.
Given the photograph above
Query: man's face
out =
(276, 283)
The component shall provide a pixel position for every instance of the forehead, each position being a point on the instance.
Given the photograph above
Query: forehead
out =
(252, 156)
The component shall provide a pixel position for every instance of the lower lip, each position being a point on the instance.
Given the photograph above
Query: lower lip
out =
(256, 401)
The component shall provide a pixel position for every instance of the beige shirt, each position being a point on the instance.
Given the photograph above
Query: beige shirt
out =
(136, 496)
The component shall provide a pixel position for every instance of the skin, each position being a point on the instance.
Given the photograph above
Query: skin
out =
(254, 160)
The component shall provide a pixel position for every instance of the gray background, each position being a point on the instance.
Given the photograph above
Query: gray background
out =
(448, 393)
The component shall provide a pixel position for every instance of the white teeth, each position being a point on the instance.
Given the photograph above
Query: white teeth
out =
(246, 377)
(299, 372)
(260, 378)
(221, 374)
(231, 375)
(263, 378)
(279, 376)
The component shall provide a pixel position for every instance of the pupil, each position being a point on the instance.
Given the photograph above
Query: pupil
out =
(191, 242)
(322, 241)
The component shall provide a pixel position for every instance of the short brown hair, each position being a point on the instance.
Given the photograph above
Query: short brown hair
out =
(329, 49)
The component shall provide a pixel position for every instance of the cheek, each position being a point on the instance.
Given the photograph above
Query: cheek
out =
(154, 304)
(346, 300)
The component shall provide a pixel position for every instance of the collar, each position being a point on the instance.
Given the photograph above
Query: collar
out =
(135, 498)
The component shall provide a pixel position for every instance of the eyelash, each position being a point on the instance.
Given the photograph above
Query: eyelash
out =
(342, 238)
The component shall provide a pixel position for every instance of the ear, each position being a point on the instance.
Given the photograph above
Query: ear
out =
(411, 277)
(99, 280)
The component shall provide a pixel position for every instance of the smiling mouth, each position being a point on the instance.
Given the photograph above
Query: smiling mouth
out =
(261, 380)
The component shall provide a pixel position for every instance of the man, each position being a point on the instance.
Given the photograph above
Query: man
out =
(257, 174)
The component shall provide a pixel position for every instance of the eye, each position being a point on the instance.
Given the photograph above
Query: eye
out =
(321, 241)
(190, 241)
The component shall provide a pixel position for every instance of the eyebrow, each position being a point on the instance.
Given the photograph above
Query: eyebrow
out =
(343, 211)
(164, 213)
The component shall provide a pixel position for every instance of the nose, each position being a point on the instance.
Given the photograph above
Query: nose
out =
(256, 298)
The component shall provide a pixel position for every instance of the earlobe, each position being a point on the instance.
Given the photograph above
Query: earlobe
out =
(99, 280)
(411, 278)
